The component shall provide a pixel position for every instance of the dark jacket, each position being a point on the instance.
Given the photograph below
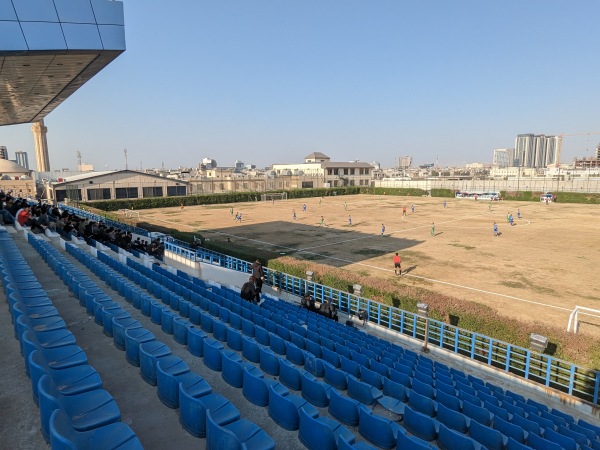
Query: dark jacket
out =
(248, 291)
(257, 270)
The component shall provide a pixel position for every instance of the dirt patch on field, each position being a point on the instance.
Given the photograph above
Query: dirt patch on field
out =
(538, 269)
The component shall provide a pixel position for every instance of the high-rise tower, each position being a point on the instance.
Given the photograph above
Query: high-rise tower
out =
(41, 146)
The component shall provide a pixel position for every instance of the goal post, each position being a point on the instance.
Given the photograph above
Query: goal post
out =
(272, 196)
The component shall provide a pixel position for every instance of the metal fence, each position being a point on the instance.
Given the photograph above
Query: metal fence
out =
(546, 370)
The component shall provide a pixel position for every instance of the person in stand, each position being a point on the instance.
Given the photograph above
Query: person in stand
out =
(325, 308)
(304, 207)
(519, 214)
(496, 229)
(397, 264)
(258, 274)
(307, 301)
(248, 291)
(412, 208)
(382, 229)
(404, 211)
(349, 220)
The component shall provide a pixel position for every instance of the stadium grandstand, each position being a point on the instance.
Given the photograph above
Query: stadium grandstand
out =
(110, 345)
(136, 351)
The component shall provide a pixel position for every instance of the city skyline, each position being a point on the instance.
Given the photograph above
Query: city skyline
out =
(270, 83)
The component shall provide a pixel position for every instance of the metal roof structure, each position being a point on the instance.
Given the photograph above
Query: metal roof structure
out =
(50, 49)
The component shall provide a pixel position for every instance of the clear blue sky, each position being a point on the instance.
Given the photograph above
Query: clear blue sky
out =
(270, 81)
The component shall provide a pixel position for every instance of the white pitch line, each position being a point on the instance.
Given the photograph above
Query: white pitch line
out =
(496, 294)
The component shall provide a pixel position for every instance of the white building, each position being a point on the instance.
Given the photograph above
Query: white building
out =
(333, 174)
(504, 157)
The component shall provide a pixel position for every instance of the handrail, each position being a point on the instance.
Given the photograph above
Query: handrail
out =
(544, 369)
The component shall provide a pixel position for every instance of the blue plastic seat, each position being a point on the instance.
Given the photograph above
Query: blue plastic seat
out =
(419, 424)
(150, 352)
(321, 433)
(241, 434)
(544, 423)
(289, 375)
(86, 410)
(262, 335)
(256, 386)
(406, 442)
(360, 359)
(315, 391)
(108, 437)
(566, 442)
(219, 330)
(363, 392)
(477, 413)
(538, 443)
(344, 409)
(168, 376)
(313, 365)
(331, 357)
(509, 430)
(590, 434)
(451, 440)
(371, 377)
(376, 429)
(401, 378)
(133, 338)
(181, 328)
(527, 425)
(284, 407)
(511, 444)
(395, 390)
(452, 419)
(496, 410)
(192, 411)
(491, 439)
(448, 400)
(423, 388)
(212, 354)
(119, 325)
(349, 366)
(195, 342)
(248, 328)
(269, 361)
(32, 340)
(381, 368)
(294, 354)
(277, 344)
(422, 404)
(335, 377)
(206, 322)
(314, 349)
(233, 368)
(234, 339)
(512, 409)
(44, 360)
(195, 314)
(297, 340)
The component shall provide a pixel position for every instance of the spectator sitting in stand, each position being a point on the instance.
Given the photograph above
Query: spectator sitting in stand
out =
(248, 291)
(307, 301)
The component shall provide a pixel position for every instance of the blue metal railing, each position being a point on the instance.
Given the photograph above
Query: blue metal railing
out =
(551, 372)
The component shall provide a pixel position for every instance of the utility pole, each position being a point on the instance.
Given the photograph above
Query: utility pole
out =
(125, 151)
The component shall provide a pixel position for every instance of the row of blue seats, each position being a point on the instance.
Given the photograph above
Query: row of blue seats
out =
(75, 412)
(177, 386)
(232, 367)
(256, 387)
(466, 382)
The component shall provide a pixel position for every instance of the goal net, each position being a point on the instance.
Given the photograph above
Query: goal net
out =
(271, 197)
